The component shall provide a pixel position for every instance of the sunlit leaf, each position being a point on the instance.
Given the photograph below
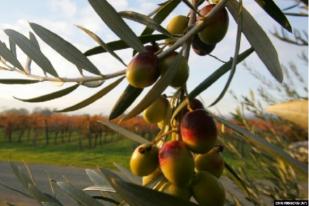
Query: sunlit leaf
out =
(118, 45)
(6, 54)
(93, 84)
(78, 195)
(18, 81)
(114, 21)
(125, 100)
(97, 39)
(124, 132)
(295, 111)
(143, 19)
(157, 89)
(64, 48)
(258, 39)
(51, 96)
(93, 98)
(31, 51)
(275, 12)
(128, 175)
(162, 13)
(137, 195)
(265, 146)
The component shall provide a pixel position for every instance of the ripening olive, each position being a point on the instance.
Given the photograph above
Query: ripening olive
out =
(144, 160)
(217, 26)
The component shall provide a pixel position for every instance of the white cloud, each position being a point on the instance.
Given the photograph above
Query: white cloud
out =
(66, 7)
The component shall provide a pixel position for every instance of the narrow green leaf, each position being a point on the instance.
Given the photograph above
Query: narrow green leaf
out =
(18, 81)
(275, 12)
(258, 39)
(113, 20)
(29, 60)
(128, 175)
(31, 51)
(156, 90)
(136, 195)
(118, 45)
(64, 48)
(9, 56)
(143, 19)
(234, 63)
(14, 190)
(97, 39)
(125, 100)
(162, 13)
(212, 79)
(93, 98)
(51, 96)
(13, 47)
(78, 195)
(124, 132)
(96, 178)
(265, 146)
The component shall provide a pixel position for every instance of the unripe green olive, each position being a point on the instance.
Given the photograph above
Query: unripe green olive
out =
(207, 190)
(177, 26)
(181, 192)
(182, 73)
(157, 111)
(176, 163)
(143, 70)
(144, 160)
(217, 26)
(211, 161)
(198, 131)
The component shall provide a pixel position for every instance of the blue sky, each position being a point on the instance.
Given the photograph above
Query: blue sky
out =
(61, 16)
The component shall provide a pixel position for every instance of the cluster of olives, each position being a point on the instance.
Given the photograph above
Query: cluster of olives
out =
(145, 68)
(187, 156)
(192, 164)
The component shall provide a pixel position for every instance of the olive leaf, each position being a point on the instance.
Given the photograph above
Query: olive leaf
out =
(101, 43)
(92, 98)
(143, 19)
(51, 96)
(114, 21)
(65, 49)
(141, 196)
(124, 132)
(18, 81)
(80, 196)
(258, 39)
(125, 100)
(275, 12)
(120, 44)
(9, 56)
(212, 79)
(162, 13)
(31, 51)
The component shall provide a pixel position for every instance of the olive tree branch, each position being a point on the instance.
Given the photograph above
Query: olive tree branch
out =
(82, 79)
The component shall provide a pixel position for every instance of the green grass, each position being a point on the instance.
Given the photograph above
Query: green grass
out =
(68, 154)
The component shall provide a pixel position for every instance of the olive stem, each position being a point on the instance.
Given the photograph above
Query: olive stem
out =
(82, 79)
(164, 135)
